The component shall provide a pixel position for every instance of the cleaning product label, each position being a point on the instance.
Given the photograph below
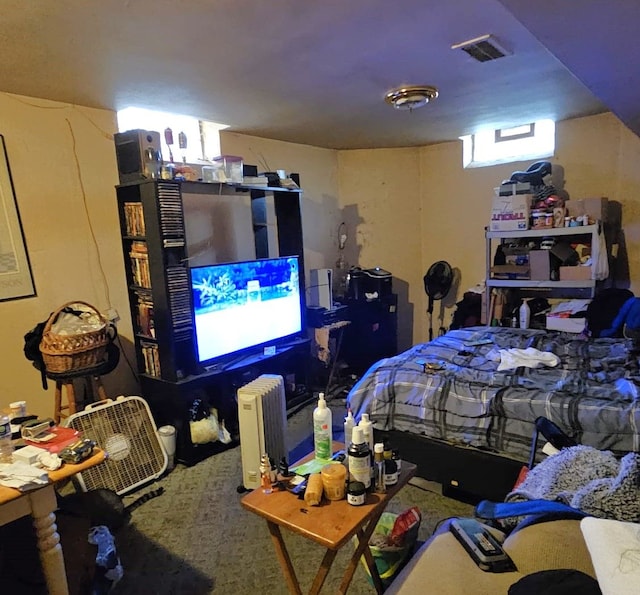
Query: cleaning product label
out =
(322, 430)
(321, 440)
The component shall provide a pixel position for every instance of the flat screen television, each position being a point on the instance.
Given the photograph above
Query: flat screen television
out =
(240, 308)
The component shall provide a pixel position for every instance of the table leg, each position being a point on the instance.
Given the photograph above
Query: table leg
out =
(284, 559)
(43, 504)
(323, 571)
(363, 549)
(371, 565)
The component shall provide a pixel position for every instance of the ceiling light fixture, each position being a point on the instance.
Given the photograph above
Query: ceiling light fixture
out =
(411, 96)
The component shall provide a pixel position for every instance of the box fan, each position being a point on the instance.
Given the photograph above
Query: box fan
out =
(125, 430)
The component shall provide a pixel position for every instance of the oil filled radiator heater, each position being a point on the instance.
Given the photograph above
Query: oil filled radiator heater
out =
(262, 415)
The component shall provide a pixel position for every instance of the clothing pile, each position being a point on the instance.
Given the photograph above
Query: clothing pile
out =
(585, 478)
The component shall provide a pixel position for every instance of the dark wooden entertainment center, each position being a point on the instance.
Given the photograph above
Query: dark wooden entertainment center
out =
(167, 226)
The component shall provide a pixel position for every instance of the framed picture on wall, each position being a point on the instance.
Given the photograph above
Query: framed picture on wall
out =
(16, 280)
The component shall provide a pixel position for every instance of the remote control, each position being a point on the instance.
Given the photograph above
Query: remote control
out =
(481, 545)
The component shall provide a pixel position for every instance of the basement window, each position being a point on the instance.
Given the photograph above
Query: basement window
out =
(535, 140)
(203, 137)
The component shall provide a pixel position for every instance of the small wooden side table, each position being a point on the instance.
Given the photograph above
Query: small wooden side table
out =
(332, 525)
(41, 504)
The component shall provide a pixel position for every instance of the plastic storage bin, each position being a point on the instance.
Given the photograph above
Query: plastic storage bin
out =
(226, 168)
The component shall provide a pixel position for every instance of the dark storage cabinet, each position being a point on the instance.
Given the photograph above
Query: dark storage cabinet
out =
(372, 334)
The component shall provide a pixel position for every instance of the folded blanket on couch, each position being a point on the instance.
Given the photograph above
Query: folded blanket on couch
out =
(588, 479)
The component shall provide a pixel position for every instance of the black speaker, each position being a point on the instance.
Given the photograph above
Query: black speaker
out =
(139, 155)
(372, 334)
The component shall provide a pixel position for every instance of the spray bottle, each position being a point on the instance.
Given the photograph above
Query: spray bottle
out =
(367, 429)
(322, 431)
(349, 423)
(367, 432)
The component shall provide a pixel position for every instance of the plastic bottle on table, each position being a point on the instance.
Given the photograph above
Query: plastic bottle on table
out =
(359, 457)
(367, 430)
(349, 423)
(322, 431)
(6, 444)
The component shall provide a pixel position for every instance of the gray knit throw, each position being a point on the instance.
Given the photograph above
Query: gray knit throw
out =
(591, 480)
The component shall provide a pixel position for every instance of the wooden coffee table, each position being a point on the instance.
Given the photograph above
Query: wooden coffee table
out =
(332, 525)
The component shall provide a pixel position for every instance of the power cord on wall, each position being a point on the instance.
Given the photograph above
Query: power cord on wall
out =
(95, 240)
(109, 137)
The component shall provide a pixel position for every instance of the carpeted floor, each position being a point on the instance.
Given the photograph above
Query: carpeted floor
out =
(196, 539)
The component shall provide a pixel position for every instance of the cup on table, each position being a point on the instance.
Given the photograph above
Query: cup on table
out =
(17, 409)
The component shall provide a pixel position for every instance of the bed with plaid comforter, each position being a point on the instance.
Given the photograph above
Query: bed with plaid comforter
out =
(450, 389)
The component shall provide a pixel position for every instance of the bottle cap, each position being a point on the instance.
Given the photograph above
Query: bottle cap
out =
(378, 447)
(364, 418)
(356, 436)
(356, 488)
(321, 402)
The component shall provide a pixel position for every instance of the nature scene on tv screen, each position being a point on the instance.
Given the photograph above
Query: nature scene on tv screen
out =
(239, 305)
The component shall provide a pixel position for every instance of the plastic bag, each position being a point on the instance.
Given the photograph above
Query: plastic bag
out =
(601, 266)
(389, 558)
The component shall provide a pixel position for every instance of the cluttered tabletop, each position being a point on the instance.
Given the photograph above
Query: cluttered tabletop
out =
(34, 454)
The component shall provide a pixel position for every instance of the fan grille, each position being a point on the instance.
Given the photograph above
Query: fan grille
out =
(437, 280)
(126, 431)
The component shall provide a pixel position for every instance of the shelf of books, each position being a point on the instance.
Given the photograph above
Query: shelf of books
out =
(144, 319)
(139, 261)
(153, 240)
(151, 359)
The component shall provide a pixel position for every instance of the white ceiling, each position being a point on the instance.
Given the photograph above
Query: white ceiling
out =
(317, 72)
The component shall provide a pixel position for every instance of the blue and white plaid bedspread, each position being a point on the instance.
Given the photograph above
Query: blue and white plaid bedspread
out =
(450, 390)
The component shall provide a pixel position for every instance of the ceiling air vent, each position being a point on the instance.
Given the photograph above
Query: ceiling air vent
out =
(483, 48)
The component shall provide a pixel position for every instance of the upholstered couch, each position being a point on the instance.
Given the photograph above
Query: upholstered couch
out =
(442, 567)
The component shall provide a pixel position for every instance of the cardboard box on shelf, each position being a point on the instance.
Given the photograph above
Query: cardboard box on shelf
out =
(576, 273)
(510, 213)
(568, 325)
(562, 316)
(540, 265)
(510, 271)
(596, 208)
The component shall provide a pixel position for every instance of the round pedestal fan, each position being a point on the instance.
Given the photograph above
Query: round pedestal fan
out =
(437, 283)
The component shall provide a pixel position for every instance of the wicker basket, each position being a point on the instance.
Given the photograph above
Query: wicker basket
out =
(65, 353)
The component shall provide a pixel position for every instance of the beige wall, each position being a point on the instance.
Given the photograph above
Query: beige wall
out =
(380, 199)
(318, 169)
(63, 166)
(408, 208)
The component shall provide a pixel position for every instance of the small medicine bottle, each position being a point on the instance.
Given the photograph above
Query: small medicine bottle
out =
(395, 455)
(265, 474)
(387, 449)
(390, 472)
(356, 493)
(379, 467)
